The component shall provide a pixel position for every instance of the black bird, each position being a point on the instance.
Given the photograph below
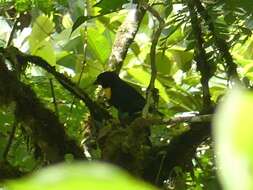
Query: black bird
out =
(120, 94)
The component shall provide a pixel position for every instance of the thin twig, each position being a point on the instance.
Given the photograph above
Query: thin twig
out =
(153, 12)
(155, 40)
(12, 32)
(85, 40)
(160, 169)
(54, 98)
(78, 83)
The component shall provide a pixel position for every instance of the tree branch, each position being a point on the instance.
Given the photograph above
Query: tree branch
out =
(219, 42)
(201, 58)
(54, 98)
(42, 125)
(97, 112)
(172, 121)
(14, 28)
(180, 151)
(185, 119)
(125, 36)
(151, 88)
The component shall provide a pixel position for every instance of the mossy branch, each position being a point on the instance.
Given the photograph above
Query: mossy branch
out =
(201, 58)
(40, 123)
(97, 112)
(219, 42)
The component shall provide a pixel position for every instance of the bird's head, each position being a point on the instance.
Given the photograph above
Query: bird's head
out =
(106, 79)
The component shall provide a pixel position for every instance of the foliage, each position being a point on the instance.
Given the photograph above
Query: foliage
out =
(80, 176)
(203, 48)
(234, 139)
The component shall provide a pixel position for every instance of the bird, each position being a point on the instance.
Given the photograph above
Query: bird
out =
(125, 98)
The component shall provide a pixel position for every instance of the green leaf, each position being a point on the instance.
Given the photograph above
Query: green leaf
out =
(246, 31)
(39, 40)
(98, 44)
(190, 45)
(174, 35)
(135, 48)
(75, 44)
(93, 176)
(143, 77)
(169, 8)
(163, 63)
(233, 134)
(89, 75)
(230, 18)
(45, 5)
(217, 92)
(42, 29)
(241, 60)
(110, 6)
(245, 4)
(69, 60)
(67, 21)
(46, 51)
(183, 58)
(185, 101)
(22, 5)
(79, 21)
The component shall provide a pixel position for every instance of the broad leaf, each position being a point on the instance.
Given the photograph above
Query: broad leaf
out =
(77, 176)
(110, 6)
(98, 45)
(143, 77)
(233, 134)
(39, 40)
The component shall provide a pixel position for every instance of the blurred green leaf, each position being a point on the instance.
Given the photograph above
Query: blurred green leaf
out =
(22, 5)
(45, 6)
(233, 134)
(94, 176)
